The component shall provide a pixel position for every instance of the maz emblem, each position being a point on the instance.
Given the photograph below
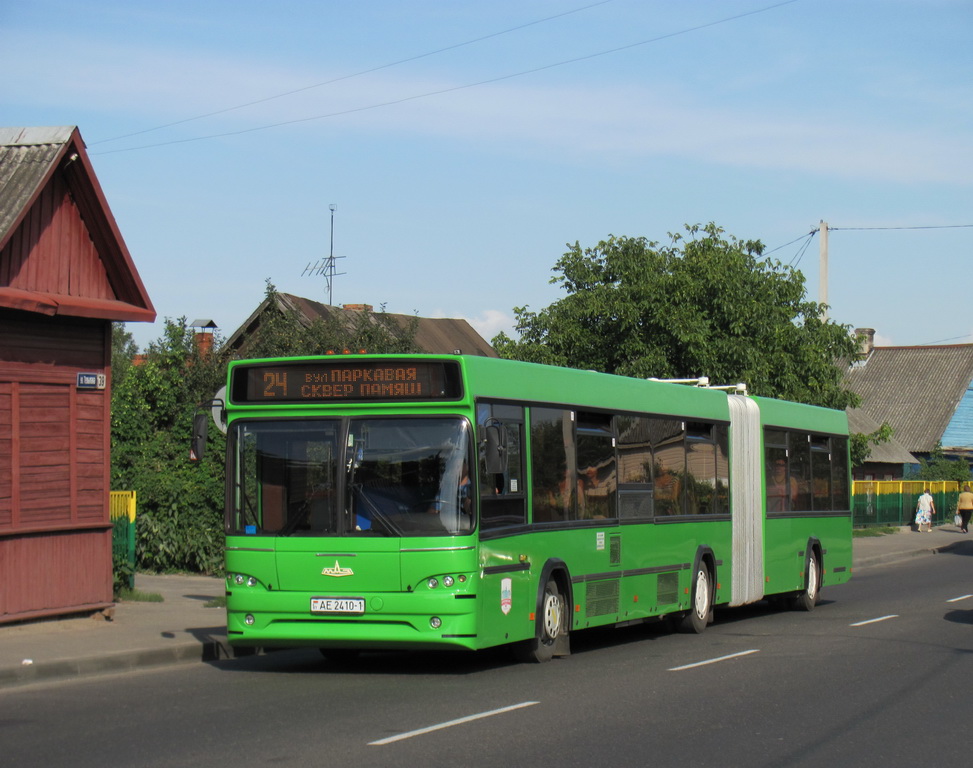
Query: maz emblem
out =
(337, 571)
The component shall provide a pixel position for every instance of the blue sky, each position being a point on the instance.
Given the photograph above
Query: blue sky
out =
(465, 143)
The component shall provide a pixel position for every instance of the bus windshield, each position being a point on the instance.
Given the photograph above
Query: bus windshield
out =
(351, 477)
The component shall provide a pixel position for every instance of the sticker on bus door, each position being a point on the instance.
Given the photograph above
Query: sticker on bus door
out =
(506, 595)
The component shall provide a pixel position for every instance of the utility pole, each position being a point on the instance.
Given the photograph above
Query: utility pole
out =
(823, 287)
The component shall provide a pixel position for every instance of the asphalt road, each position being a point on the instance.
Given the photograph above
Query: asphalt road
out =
(879, 674)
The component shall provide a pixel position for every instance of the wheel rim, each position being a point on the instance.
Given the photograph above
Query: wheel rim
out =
(552, 616)
(701, 597)
(812, 578)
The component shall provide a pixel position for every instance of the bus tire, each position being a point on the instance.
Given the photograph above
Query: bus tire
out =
(698, 616)
(808, 598)
(551, 627)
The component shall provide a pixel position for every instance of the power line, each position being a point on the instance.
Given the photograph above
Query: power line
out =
(355, 74)
(940, 226)
(442, 91)
(800, 254)
(813, 232)
(809, 235)
(942, 341)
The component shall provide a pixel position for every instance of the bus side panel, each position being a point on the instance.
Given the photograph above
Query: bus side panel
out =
(506, 593)
(674, 551)
(786, 551)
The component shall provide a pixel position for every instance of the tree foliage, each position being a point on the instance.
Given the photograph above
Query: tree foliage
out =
(704, 305)
(862, 443)
(939, 467)
(154, 398)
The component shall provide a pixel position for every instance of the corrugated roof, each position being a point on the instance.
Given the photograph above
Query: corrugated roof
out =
(27, 158)
(915, 389)
(892, 452)
(436, 335)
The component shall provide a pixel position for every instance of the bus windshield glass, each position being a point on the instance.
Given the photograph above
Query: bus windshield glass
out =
(351, 477)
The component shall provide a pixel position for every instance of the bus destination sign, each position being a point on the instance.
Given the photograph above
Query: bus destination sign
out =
(343, 380)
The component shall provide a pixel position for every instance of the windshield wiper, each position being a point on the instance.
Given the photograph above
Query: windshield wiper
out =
(377, 515)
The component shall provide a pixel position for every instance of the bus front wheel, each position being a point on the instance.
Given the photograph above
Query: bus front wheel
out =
(551, 630)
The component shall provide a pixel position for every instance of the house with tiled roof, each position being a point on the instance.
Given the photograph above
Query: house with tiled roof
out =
(924, 393)
(436, 335)
(65, 275)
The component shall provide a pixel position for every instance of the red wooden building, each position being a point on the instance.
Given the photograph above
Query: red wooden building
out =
(65, 275)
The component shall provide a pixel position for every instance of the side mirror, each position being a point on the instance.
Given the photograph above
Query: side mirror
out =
(197, 448)
(496, 449)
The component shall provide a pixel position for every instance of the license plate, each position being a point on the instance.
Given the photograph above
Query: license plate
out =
(354, 605)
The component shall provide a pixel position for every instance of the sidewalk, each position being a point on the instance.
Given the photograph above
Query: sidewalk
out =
(182, 630)
(178, 630)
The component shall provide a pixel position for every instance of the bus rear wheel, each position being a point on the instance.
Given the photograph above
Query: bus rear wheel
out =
(551, 627)
(698, 617)
(807, 599)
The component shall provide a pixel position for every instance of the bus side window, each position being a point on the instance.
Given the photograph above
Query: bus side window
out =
(502, 500)
(553, 478)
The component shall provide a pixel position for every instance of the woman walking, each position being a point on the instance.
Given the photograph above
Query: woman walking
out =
(925, 509)
(964, 506)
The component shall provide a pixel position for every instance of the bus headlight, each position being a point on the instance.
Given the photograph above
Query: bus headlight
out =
(435, 622)
(432, 583)
(447, 581)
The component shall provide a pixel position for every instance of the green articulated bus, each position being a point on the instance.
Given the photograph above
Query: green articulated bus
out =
(449, 501)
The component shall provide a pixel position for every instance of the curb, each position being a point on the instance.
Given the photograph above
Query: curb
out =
(896, 557)
(113, 663)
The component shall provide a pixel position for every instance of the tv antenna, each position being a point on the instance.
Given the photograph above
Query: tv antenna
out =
(326, 266)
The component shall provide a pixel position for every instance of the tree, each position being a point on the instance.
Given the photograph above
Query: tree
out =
(706, 305)
(154, 397)
(939, 467)
(861, 443)
(179, 523)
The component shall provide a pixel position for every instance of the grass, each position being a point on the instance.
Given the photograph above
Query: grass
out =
(135, 596)
(875, 530)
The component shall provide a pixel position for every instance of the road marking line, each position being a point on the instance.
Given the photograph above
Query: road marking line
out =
(451, 723)
(713, 661)
(957, 599)
(872, 621)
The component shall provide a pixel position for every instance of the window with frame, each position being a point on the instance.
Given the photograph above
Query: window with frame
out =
(634, 444)
(700, 469)
(597, 477)
(668, 467)
(553, 475)
(503, 500)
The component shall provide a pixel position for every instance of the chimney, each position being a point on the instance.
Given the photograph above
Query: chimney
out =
(203, 338)
(866, 337)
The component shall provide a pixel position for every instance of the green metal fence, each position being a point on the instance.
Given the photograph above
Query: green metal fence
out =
(121, 506)
(893, 502)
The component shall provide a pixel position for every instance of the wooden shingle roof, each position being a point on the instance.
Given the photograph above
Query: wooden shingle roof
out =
(61, 252)
(915, 389)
